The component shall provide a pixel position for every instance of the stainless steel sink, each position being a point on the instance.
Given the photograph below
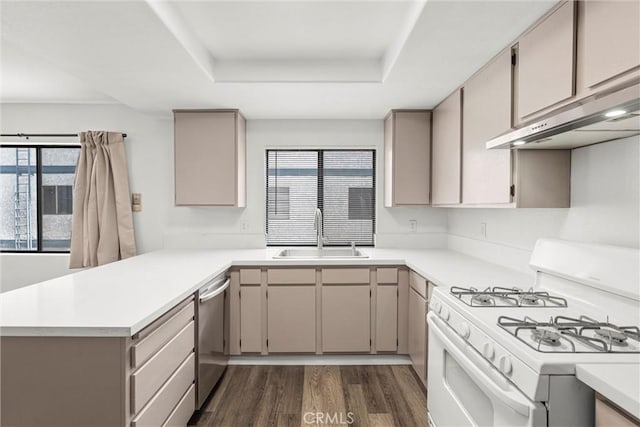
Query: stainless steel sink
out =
(314, 253)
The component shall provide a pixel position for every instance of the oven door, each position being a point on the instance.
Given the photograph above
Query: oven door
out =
(466, 390)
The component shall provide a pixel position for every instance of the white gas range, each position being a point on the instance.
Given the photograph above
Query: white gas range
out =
(506, 355)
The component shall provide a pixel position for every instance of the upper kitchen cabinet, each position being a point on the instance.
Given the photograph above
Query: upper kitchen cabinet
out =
(486, 176)
(209, 158)
(407, 140)
(545, 63)
(446, 151)
(608, 42)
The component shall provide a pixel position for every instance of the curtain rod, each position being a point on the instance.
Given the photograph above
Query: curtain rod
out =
(44, 135)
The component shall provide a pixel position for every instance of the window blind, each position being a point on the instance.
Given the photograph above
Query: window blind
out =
(341, 183)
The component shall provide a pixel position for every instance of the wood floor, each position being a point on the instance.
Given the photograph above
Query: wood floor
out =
(302, 396)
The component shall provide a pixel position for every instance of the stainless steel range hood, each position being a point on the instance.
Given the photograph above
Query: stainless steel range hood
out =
(600, 118)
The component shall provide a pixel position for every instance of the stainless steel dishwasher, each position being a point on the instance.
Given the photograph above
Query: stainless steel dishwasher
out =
(213, 332)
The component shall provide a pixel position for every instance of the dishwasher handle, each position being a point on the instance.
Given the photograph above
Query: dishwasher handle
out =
(217, 290)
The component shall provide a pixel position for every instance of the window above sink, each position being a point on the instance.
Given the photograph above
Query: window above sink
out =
(341, 183)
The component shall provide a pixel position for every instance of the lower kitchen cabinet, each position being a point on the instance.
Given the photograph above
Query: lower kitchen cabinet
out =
(387, 318)
(309, 309)
(346, 318)
(291, 319)
(250, 319)
(607, 415)
(417, 328)
(144, 380)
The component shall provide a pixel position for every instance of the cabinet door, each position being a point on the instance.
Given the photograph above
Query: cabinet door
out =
(291, 314)
(250, 319)
(418, 334)
(447, 155)
(207, 158)
(346, 322)
(387, 318)
(486, 174)
(546, 58)
(608, 39)
(607, 416)
(409, 148)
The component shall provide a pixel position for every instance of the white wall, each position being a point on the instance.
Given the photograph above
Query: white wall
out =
(605, 192)
(149, 145)
(605, 200)
(216, 227)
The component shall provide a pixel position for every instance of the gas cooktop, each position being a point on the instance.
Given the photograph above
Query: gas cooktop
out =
(507, 297)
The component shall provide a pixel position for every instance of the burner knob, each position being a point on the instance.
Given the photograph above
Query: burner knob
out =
(488, 351)
(437, 307)
(505, 365)
(464, 330)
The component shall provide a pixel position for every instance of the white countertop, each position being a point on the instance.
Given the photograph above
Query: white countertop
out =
(121, 298)
(619, 383)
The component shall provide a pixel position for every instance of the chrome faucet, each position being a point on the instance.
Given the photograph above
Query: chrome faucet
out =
(317, 225)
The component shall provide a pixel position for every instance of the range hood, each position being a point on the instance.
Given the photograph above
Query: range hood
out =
(600, 118)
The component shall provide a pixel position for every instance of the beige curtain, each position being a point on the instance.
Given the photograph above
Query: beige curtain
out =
(102, 223)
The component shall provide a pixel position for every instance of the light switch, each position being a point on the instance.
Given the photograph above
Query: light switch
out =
(136, 202)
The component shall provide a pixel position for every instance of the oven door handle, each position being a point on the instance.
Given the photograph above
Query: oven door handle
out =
(206, 296)
(509, 395)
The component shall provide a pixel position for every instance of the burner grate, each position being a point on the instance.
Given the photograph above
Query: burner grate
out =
(506, 297)
(598, 337)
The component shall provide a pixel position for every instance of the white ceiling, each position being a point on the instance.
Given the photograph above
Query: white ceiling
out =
(271, 59)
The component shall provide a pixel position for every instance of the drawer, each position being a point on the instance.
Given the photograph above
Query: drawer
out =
(418, 283)
(291, 276)
(150, 377)
(387, 275)
(169, 396)
(183, 411)
(148, 346)
(343, 276)
(250, 276)
(149, 329)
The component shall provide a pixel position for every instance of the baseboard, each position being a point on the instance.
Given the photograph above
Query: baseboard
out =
(325, 359)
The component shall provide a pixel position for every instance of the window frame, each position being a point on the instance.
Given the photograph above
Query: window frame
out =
(320, 191)
(38, 148)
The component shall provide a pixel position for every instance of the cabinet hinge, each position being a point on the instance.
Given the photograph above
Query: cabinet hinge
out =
(512, 191)
(267, 294)
(369, 342)
(370, 294)
(240, 344)
(514, 58)
(267, 343)
(240, 294)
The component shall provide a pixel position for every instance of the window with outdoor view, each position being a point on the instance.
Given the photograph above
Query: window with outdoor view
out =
(341, 183)
(36, 197)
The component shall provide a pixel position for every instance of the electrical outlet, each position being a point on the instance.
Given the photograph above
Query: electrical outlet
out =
(483, 230)
(413, 225)
(136, 202)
